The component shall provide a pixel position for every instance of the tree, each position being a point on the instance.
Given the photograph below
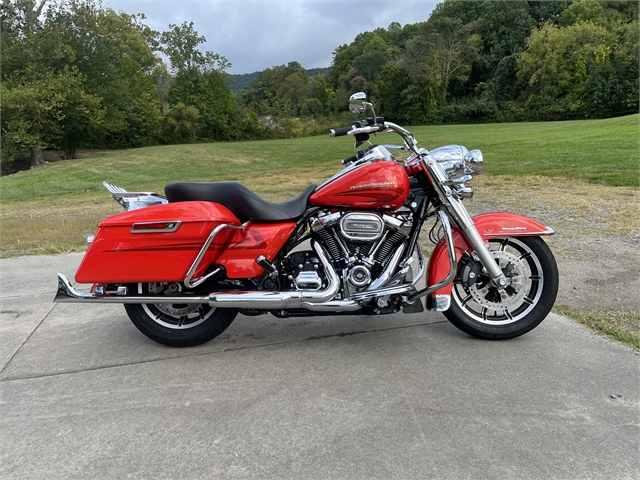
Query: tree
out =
(208, 92)
(182, 121)
(587, 68)
(392, 82)
(199, 81)
(44, 101)
(48, 113)
(180, 44)
(279, 90)
(115, 53)
(443, 52)
(25, 46)
(294, 90)
(370, 63)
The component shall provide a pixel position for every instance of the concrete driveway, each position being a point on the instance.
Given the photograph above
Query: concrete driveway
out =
(85, 395)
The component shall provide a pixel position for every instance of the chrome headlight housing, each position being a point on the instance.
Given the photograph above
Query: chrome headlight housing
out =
(473, 162)
(457, 161)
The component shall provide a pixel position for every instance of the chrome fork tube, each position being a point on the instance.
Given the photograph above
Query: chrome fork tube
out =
(459, 212)
(461, 216)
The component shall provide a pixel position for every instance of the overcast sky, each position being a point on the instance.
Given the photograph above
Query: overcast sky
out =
(257, 34)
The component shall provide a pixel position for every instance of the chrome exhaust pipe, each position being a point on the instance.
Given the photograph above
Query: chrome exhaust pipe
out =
(263, 300)
(67, 293)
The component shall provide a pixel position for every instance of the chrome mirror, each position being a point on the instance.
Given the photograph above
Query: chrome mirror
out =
(358, 102)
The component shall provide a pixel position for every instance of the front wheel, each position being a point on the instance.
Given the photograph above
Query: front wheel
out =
(483, 311)
(177, 324)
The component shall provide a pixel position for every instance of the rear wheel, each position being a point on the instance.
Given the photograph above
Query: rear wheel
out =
(177, 324)
(483, 311)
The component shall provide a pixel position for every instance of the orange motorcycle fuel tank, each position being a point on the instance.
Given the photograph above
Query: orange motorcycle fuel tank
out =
(376, 184)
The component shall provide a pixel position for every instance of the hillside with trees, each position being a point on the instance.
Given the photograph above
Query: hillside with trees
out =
(76, 74)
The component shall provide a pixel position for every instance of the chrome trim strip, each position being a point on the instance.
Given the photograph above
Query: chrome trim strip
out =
(172, 226)
(520, 233)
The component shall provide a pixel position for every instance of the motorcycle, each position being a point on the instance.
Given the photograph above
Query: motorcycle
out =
(186, 263)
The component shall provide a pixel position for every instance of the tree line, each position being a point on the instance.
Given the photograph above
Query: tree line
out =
(476, 61)
(76, 74)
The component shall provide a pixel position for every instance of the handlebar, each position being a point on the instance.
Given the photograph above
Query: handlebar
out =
(339, 132)
(369, 125)
(377, 124)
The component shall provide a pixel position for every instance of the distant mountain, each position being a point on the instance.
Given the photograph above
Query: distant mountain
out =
(313, 71)
(243, 80)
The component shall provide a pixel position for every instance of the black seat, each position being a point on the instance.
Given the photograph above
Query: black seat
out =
(242, 202)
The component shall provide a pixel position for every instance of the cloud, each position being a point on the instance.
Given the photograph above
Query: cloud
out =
(255, 35)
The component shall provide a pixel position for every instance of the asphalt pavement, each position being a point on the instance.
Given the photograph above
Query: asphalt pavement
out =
(83, 394)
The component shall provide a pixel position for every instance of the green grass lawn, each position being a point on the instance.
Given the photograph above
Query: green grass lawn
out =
(51, 209)
(595, 151)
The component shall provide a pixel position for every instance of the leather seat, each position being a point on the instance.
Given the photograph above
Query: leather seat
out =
(242, 202)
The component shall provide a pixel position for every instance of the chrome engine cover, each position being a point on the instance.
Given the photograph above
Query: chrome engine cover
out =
(363, 227)
(359, 276)
(307, 281)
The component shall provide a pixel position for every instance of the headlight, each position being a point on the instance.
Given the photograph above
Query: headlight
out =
(455, 170)
(457, 162)
(473, 162)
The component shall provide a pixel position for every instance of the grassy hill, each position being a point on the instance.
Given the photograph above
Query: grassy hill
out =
(50, 209)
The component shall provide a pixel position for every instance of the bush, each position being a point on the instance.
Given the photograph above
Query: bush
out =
(474, 110)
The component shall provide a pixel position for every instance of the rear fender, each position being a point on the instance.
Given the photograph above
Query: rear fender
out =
(489, 225)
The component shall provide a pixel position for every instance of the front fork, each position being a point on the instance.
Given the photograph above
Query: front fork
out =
(458, 211)
(461, 216)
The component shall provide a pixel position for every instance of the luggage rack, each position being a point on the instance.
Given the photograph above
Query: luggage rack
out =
(134, 200)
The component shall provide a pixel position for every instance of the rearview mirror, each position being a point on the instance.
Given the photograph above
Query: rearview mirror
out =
(358, 102)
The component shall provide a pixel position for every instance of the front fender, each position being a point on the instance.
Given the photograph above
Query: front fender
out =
(489, 225)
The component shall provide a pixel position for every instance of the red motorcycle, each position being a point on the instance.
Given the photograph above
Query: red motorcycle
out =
(186, 264)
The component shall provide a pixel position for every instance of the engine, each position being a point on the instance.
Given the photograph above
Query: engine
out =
(360, 244)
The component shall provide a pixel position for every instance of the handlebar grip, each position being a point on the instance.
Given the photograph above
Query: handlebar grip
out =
(339, 132)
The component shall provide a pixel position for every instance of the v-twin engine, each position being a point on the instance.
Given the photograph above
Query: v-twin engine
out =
(363, 246)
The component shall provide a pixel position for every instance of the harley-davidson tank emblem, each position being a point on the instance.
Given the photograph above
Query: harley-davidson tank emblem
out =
(378, 184)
